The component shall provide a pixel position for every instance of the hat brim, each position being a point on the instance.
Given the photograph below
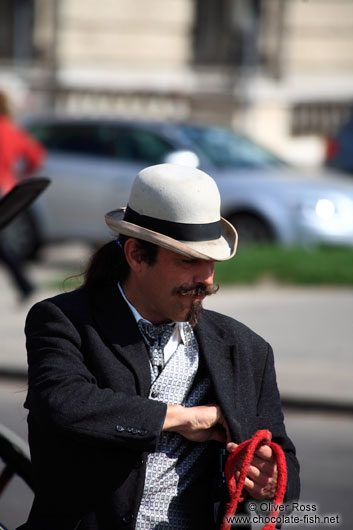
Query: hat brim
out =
(220, 249)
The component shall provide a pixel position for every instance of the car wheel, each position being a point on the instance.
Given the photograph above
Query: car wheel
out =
(21, 237)
(251, 229)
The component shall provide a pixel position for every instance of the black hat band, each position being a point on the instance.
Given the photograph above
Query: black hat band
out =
(178, 231)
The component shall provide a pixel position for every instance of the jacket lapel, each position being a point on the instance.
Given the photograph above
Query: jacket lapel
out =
(118, 325)
(221, 365)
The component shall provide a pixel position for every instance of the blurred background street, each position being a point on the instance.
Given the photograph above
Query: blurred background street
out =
(259, 93)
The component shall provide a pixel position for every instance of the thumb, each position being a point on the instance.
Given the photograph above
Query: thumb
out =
(231, 446)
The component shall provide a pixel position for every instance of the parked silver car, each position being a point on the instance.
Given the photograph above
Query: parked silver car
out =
(92, 163)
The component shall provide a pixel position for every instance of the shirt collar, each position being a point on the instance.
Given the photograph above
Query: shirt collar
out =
(179, 329)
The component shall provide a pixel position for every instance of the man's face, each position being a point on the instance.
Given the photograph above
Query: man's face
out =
(163, 288)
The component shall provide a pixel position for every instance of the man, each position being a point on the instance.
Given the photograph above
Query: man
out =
(127, 420)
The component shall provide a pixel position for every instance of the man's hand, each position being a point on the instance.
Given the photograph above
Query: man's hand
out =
(261, 481)
(197, 424)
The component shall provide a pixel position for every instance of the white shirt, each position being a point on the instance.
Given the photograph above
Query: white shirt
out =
(174, 341)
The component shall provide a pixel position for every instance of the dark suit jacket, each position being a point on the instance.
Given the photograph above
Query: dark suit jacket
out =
(91, 424)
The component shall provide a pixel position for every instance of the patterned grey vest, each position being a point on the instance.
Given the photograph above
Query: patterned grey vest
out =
(175, 465)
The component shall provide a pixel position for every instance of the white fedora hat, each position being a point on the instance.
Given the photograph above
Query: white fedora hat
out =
(178, 208)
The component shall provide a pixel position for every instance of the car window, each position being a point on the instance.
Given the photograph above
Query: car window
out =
(142, 145)
(227, 149)
(83, 139)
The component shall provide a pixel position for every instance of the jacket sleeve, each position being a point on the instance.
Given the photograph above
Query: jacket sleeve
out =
(271, 417)
(64, 395)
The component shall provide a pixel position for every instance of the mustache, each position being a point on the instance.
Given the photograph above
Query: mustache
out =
(196, 290)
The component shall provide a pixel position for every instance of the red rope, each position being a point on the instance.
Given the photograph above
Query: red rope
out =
(245, 451)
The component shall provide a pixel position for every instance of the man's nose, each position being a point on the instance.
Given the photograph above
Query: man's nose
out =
(204, 273)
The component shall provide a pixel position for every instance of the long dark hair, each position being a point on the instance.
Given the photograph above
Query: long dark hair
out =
(108, 265)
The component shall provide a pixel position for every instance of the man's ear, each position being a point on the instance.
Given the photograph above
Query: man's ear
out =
(134, 254)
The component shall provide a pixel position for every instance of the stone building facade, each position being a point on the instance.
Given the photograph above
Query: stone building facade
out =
(279, 70)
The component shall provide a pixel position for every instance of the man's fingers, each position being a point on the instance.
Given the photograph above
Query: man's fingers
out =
(231, 446)
(220, 431)
(261, 479)
(255, 490)
(267, 468)
(256, 475)
(198, 424)
(264, 452)
(259, 491)
(206, 416)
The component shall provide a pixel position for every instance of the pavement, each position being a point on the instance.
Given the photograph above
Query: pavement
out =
(310, 329)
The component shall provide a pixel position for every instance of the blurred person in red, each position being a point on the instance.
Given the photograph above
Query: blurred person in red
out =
(17, 149)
